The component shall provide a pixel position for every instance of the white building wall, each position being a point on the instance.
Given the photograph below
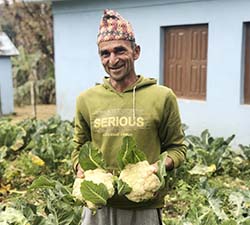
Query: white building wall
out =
(6, 86)
(78, 66)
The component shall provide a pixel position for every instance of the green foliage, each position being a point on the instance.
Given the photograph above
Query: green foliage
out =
(246, 151)
(24, 64)
(90, 158)
(95, 193)
(60, 207)
(129, 153)
(46, 148)
(162, 173)
(25, 71)
(46, 92)
(12, 138)
(22, 94)
(212, 187)
(12, 216)
(122, 187)
(51, 140)
(23, 170)
(208, 150)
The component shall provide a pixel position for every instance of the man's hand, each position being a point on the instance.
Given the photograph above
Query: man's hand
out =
(79, 172)
(169, 165)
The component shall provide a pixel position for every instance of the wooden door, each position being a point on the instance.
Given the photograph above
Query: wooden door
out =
(185, 63)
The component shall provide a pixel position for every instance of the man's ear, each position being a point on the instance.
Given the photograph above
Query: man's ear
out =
(137, 52)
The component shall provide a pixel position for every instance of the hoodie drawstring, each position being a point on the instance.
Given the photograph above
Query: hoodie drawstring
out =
(134, 103)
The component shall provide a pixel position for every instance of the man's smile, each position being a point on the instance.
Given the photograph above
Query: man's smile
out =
(116, 67)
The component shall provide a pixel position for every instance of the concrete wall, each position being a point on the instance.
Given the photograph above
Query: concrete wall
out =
(78, 66)
(6, 86)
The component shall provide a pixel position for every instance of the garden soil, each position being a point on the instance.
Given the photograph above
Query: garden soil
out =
(43, 112)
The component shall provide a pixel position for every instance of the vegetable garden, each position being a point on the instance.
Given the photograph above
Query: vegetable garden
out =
(36, 178)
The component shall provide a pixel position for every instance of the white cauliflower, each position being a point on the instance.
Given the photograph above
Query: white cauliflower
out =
(143, 181)
(97, 176)
(76, 189)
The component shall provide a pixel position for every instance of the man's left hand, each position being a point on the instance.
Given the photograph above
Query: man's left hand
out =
(169, 165)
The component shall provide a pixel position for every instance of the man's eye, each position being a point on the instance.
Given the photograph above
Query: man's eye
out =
(120, 50)
(105, 54)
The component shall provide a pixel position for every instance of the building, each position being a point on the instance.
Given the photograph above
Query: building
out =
(7, 49)
(200, 48)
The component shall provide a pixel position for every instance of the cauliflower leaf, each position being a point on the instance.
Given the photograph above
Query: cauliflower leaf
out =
(162, 173)
(129, 153)
(90, 157)
(95, 193)
(122, 187)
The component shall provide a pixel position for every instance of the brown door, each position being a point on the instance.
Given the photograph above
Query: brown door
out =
(185, 63)
(247, 66)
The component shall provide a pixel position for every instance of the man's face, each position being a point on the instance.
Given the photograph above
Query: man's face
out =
(118, 58)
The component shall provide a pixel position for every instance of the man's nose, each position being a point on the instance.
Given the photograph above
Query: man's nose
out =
(113, 59)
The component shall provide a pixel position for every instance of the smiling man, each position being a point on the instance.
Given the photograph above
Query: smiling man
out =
(127, 104)
(118, 58)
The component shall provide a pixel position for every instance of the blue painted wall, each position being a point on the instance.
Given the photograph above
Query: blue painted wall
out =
(6, 86)
(78, 66)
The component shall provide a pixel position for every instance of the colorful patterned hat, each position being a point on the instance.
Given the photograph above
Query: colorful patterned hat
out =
(114, 27)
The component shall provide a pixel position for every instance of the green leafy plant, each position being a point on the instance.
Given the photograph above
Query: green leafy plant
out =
(60, 207)
(196, 192)
(207, 150)
(12, 137)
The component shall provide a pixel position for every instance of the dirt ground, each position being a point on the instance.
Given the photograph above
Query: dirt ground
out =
(43, 112)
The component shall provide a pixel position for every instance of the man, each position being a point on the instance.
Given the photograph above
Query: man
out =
(126, 104)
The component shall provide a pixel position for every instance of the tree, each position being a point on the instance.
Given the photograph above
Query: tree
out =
(29, 26)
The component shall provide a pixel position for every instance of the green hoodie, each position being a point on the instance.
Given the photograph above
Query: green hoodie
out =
(145, 110)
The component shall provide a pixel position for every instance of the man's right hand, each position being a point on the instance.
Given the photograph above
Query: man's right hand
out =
(79, 172)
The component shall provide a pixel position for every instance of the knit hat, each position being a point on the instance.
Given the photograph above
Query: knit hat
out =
(114, 27)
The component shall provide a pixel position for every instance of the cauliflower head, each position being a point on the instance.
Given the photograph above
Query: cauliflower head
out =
(97, 176)
(76, 189)
(143, 181)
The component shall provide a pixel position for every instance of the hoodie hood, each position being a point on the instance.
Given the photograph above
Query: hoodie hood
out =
(140, 83)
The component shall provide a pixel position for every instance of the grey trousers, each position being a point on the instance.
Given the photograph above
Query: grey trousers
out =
(113, 216)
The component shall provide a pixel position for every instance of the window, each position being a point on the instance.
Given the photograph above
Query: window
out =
(185, 60)
(247, 65)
